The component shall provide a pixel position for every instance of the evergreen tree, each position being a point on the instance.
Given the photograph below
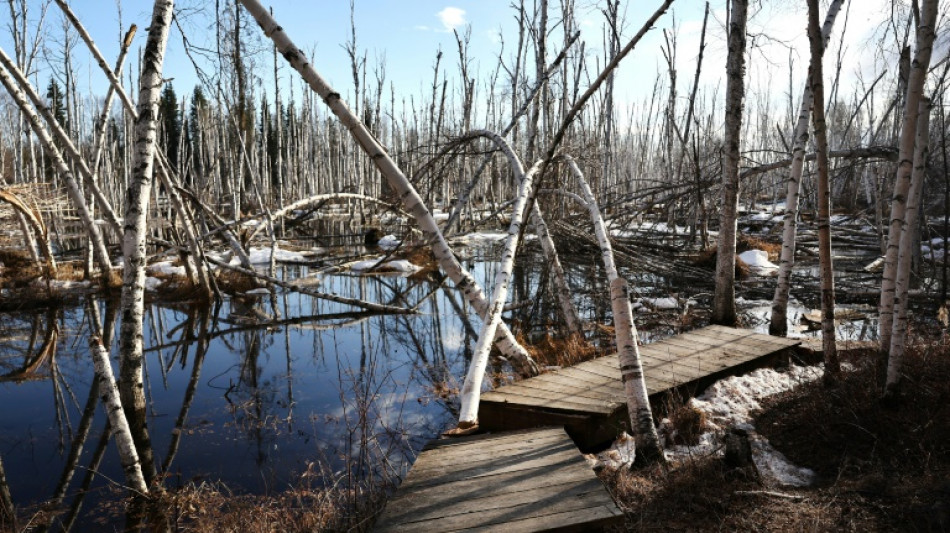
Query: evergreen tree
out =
(196, 117)
(170, 118)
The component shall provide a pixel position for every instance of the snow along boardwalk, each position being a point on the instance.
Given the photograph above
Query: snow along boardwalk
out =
(530, 480)
(588, 398)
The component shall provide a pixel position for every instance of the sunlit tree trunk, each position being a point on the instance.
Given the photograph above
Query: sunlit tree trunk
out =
(816, 78)
(472, 387)
(432, 235)
(908, 244)
(926, 32)
(779, 322)
(724, 302)
(108, 392)
(133, 243)
(631, 370)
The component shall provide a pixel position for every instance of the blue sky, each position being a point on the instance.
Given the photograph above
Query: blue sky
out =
(408, 34)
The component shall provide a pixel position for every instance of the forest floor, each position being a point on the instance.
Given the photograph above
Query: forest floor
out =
(879, 467)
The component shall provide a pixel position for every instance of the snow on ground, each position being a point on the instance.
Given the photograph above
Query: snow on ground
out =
(166, 268)
(400, 266)
(262, 255)
(152, 284)
(730, 403)
(63, 285)
(389, 242)
(758, 261)
(661, 303)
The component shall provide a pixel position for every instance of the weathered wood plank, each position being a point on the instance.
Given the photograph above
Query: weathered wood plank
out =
(451, 490)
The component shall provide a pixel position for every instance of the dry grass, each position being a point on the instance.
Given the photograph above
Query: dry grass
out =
(232, 281)
(561, 351)
(881, 468)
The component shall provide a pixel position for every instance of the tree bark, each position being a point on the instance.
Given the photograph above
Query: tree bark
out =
(926, 32)
(135, 232)
(724, 301)
(631, 370)
(779, 321)
(472, 387)
(908, 243)
(816, 77)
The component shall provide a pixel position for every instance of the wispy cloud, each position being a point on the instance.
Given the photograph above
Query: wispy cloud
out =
(452, 18)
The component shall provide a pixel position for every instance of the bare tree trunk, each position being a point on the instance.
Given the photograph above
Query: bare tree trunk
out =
(133, 242)
(7, 508)
(724, 302)
(779, 321)
(397, 180)
(926, 33)
(72, 188)
(472, 387)
(631, 370)
(112, 404)
(816, 77)
(908, 243)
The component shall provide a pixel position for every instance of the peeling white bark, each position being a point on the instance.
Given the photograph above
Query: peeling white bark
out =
(908, 243)
(926, 33)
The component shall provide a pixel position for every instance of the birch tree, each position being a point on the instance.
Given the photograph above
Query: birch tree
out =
(396, 178)
(631, 370)
(779, 321)
(926, 33)
(908, 244)
(724, 301)
(135, 231)
(816, 77)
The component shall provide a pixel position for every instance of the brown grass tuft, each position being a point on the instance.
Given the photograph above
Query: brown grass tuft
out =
(561, 351)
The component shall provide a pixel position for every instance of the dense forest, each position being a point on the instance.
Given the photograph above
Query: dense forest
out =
(617, 220)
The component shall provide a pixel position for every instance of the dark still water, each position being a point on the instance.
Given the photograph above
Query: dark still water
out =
(250, 394)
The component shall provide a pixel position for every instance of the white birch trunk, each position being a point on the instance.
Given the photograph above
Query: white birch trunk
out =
(816, 77)
(472, 387)
(631, 370)
(136, 218)
(926, 32)
(724, 301)
(908, 243)
(39, 228)
(109, 393)
(779, 321)
(432, 235)
(64, 141)
(72, 188)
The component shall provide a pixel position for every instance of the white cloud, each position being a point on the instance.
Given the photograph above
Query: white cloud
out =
(452, 18)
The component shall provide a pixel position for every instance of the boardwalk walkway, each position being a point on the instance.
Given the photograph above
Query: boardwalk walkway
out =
(536, 479)
(588, 399)
(532, 480)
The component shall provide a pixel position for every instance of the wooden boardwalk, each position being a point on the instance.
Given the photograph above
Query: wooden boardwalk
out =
(588, 399)
(536, 479)
(533, 480)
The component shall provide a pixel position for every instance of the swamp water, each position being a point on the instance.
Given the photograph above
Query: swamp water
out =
(257, 392)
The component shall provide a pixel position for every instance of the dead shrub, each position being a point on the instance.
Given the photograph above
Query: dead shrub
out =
(708, 257)
(233, 282)
(689, 423)
(561, 351)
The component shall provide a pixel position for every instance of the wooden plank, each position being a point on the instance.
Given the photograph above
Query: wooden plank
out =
(460, 503)
(579, 389)
(518, 463)
(494, 439)
(451, 490)
(551, 504)
(536, 398)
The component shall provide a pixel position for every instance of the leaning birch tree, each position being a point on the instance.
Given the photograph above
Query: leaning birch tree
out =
(724, 301)
(631, 370)
(926, 33)
(779, 321)
(411, 199)
(132, 389)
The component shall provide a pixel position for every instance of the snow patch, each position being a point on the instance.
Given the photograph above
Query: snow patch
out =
(400, 266)
(166, 268)
(389, 242)
(152, 284)
(620, 455)
(662, 304)
(758, 261)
